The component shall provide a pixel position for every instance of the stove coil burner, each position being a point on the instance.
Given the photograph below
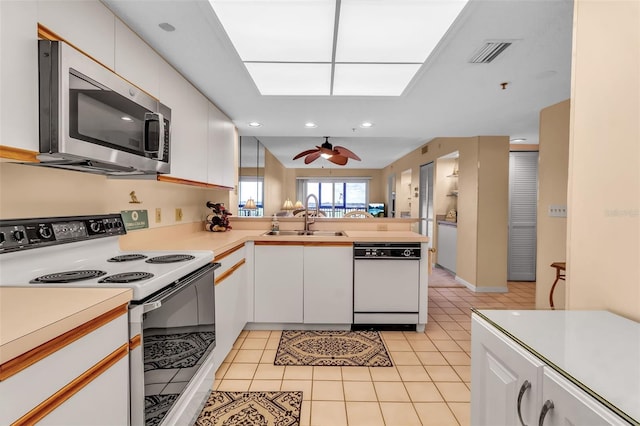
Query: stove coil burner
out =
(68, 276)
(126, 277)
(127, 257)
(170, 258)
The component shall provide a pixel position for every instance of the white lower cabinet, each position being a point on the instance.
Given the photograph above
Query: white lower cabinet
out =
(328, 284)
(278, 283)
(507, 382)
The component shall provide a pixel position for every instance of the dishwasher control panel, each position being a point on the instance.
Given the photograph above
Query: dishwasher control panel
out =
(386, 251)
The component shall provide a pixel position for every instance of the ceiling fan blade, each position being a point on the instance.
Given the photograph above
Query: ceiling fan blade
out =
(347, 153)
(338, 159)
(326, 151)
(303, 153)
(312, 157)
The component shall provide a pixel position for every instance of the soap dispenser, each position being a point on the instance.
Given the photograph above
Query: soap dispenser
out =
(275, 226)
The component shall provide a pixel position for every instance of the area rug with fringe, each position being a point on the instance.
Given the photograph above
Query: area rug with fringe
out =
(345, 348)
(251, 408)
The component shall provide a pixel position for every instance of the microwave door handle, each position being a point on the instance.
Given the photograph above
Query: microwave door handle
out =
(150, 117)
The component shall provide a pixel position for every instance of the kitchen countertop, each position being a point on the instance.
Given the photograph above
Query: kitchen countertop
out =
(596, 350)
(30, 317)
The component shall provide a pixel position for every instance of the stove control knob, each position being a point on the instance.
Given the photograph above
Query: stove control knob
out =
(2, 238)
(18, 235)
(109, 225)
(95, 226)
(45, 232)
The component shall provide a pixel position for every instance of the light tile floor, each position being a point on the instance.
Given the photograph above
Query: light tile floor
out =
(429, 383)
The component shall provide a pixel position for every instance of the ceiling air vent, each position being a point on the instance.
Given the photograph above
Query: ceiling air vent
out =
(489, 52)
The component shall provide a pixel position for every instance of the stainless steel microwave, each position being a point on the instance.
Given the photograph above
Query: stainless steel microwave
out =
(93, 120)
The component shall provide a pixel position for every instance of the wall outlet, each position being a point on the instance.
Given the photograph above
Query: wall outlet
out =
(556, 210)
(158, 215)
(178, 215)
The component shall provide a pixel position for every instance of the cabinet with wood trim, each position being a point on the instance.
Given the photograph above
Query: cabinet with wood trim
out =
(232, 300)
(135, 60)
(77, 378)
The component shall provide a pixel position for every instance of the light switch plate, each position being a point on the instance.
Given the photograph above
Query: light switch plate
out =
(557, 210)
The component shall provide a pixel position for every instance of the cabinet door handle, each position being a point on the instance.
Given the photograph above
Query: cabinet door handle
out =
(524, 388)
(548, 405)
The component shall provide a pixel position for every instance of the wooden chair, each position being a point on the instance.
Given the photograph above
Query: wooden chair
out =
(358, 213)
(560, 275)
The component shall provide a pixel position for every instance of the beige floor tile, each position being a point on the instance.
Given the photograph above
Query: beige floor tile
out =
(298, 373)
(327, 390)
(459, 335)
(328, 413)
(232, 353)
(447, 346)
(423, 392)
(265, 385)
(250, 343)
(298, 385)
(391, 392)
(415, 335)
(360, 391)
(413, 373)
(457, 358)
(422, 345)
(356, 373)
(221, 370)
(244, 333)
(234, 385)
(465, 345)
(464, 371)
(327, 373)
(272, 343)
(439, 334)
(384, 374)
(450, 326)
(442, 373)
(435, 414)
(392, 335)
(251, 356)
(462, 411)
(269, 372)
(399, 414)
(364, 414)
(404, 358)
(431, 358)
(238, 343)
(454, 392)
(398, 345)
(268, 356)
(237, 371)
(259, 334)
(305, 413)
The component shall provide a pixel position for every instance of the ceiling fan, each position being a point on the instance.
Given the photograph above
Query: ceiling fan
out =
(336, 154)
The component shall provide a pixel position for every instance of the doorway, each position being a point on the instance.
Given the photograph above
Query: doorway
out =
(426, 201)
(391, 195)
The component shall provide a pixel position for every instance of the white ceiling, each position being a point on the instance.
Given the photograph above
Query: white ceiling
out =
(447, 97)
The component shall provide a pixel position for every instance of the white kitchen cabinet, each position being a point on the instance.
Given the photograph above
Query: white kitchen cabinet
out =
(447, 246)
(328, 284)
(100, 359)
(232, 302)
(221, 141)
(19, 74)
(136, 61)
(189, 118)
(500, 366)
(278, 288)
(88, 25)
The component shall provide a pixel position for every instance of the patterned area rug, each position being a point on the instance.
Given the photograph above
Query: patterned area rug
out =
(346, 348)
(156, 407)
(181, 350)
(251, 409)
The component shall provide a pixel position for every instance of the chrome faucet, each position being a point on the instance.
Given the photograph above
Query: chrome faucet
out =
(308, 220)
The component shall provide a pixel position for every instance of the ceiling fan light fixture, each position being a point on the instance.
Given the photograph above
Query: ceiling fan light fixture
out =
(325, 156)
(338, 155)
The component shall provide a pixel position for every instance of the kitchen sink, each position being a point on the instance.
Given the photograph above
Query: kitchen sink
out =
(307, 233)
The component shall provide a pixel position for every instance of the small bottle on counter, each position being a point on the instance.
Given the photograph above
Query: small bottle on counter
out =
(275, 226)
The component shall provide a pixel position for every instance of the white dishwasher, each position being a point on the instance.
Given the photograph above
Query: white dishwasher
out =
(386, 283)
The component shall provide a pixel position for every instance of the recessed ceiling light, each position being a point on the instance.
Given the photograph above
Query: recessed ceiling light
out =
(255, 124)
(310, 125)
(518, 140)
(366, 124)
(125, 118)
(167, 27)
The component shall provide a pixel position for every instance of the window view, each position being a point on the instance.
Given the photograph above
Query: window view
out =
(250, 188)
(336, 197)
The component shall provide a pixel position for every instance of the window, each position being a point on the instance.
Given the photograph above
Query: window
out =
(250, 187)
(335, 196)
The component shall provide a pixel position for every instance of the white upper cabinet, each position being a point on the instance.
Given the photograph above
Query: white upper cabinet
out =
(136, 61)
(189, 125)
(220, 149)
(88, 25)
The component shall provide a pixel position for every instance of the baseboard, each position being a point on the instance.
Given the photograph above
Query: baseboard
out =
(477, 289)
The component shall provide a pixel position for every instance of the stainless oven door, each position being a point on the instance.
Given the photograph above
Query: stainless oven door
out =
(171, 370)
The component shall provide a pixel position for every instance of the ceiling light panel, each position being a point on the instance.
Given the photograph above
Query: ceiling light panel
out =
(279, 31)
(291, 79)
(372, 79)
(393, 30)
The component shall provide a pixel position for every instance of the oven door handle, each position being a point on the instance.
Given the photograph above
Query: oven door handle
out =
(156, 301)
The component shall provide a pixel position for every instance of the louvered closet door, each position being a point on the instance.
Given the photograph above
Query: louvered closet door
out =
(523, 195)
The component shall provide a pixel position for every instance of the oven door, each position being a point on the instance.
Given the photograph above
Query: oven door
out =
(172, 369)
